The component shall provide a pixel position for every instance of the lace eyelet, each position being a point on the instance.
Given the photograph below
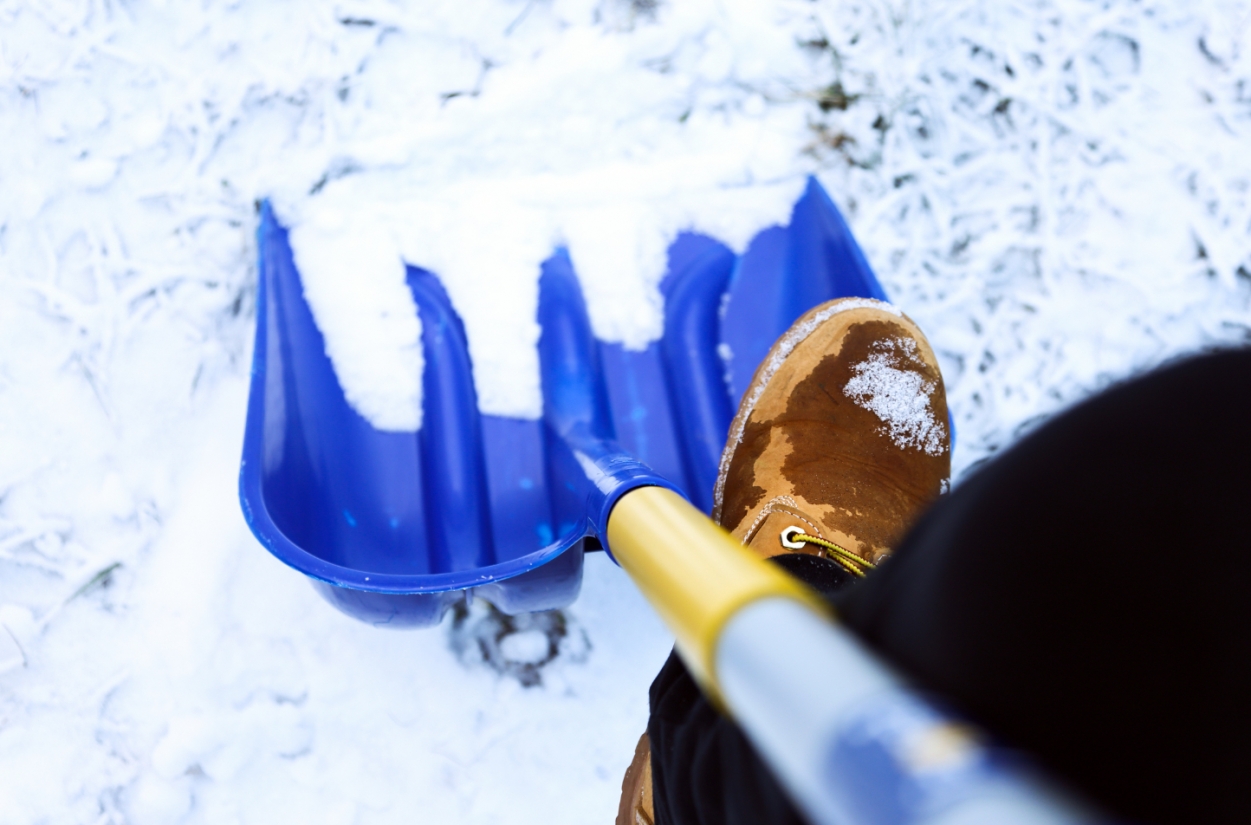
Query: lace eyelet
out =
(788, 537)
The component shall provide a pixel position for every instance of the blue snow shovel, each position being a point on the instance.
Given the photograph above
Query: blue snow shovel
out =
(395, 528)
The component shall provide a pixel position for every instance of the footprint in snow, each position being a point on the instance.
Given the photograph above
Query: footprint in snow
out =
(518, 646)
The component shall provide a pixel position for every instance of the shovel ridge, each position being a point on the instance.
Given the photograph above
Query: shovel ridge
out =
(395, 528)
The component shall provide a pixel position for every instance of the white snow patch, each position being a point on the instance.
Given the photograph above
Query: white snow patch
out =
(525, 646)
(361, 302)
(888, 384)
(477, 162)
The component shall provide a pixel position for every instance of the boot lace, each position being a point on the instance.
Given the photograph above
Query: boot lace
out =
(795, 538)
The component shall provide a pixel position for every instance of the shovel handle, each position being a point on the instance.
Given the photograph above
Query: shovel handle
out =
(846, 736)
(694, 574)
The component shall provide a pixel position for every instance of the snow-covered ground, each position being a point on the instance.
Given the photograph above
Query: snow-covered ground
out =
(1059, 191)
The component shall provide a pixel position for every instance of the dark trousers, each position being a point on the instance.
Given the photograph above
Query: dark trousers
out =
(1085, 597)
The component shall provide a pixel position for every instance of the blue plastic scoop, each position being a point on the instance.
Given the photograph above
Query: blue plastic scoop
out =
(394, 528)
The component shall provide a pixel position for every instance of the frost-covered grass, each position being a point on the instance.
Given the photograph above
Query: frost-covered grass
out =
(1059, 192)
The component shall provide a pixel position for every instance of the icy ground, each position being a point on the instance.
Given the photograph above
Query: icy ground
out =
(1059, 191)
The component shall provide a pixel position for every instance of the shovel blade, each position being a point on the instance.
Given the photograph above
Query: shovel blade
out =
(396, 528)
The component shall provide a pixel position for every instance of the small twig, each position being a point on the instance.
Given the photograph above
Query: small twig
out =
(95, 581)
(17, 644)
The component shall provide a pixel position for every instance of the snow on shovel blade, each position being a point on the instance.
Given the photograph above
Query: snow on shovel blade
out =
(395, 528)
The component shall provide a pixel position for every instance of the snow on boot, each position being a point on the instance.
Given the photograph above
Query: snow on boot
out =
(841, 439)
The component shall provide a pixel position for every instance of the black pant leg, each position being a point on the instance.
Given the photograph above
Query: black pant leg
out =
(1086, 596)
(704, 770)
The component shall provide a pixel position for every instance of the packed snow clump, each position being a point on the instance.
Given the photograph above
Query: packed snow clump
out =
(361, 302)
(478, 162)
(888, 385)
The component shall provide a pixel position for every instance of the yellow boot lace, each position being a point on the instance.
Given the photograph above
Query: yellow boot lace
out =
(795, 538)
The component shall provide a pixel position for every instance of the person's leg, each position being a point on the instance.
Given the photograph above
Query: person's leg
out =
(839, 444)
(1086, 596)
(705, 769)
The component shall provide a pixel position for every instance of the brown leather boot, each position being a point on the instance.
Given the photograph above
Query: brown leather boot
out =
(841, 435)
(635, 807)
(842, 438)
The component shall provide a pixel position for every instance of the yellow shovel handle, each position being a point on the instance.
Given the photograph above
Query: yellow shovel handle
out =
(695, 575)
